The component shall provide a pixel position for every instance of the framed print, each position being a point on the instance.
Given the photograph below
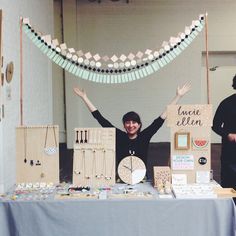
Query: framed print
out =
(182, 140)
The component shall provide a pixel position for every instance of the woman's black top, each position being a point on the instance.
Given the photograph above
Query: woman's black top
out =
(224, 122)
(126, 146)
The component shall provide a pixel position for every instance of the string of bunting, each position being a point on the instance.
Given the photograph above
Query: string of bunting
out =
(114, 69)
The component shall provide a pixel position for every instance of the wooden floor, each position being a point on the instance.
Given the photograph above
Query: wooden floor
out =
(158, 155)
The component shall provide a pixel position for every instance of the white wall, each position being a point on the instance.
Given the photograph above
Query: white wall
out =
(37, 74)
(57, 78)
(116, 28)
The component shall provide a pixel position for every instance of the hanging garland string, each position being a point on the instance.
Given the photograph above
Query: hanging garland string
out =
(115, 69)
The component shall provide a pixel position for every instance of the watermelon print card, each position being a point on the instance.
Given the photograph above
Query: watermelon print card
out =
(200, 143)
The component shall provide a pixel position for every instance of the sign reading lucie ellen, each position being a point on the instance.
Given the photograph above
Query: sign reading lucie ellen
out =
(189, 116)
(189, 124)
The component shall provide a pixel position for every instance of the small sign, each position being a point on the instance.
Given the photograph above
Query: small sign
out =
(179, 179)
(182, 162)
(194, 116)
(202, 177)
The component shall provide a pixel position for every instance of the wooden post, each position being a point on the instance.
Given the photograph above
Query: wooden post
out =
(1, 42)
(207, 60)
(1, 65)
(21, 73)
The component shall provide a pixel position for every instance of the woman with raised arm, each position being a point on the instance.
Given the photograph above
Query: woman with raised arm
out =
(133, 141)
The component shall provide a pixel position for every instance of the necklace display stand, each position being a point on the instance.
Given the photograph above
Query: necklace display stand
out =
(33, 164)
(94, 157)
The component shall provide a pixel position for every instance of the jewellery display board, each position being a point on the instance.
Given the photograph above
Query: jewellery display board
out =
(94, 157)
(37, 154)
(190, 141)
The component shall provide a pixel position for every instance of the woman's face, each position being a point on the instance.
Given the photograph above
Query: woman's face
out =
(132, 127)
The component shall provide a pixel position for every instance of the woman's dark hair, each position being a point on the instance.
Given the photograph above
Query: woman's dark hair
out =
(234, 82)
(132, 116)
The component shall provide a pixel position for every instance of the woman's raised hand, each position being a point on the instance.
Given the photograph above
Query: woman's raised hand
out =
(80, 92)
(83, 95)
(181, 91)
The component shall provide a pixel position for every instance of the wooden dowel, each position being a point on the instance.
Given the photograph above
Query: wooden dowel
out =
(207, 59)
(21, 74)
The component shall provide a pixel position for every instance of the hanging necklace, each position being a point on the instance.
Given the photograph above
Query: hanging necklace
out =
(103, 164)
(111, 172)
(77, 171)
(86, 176)
(132, 153)
(25, 144)
(53, 149)
(41, 164)
(95, 167)
(28, 146)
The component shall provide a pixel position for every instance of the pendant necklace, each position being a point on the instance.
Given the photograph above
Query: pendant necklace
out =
(131, 148)
(95, 167)
(77, 171)
(25, 144)
(53, 149)
(85, 169)
(132, 153)
(42, 175)
(106, 176)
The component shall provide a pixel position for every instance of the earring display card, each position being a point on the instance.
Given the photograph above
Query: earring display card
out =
(94, 157)
(202, 177)
(33, 163)
(161, 174)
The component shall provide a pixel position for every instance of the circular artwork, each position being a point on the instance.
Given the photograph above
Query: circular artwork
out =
(131, 170)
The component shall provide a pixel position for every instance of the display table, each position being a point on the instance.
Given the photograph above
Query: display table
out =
(113, 217)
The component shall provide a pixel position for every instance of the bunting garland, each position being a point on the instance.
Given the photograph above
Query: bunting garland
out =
(115, 69)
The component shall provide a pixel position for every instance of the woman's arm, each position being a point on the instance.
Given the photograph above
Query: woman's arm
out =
(81, 93)
(96, 114)
(180, 92)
